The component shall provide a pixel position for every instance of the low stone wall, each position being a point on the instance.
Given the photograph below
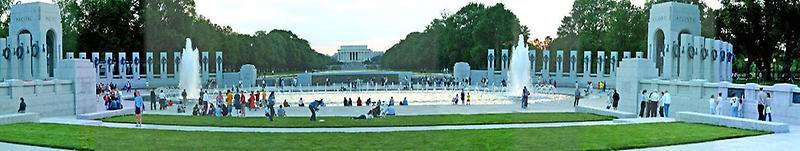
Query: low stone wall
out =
(743, 123)
(599, 111)
(19, 118)
(105, 114)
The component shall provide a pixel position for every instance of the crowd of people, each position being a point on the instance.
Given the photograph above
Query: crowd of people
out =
(763, 104)
(654, 104)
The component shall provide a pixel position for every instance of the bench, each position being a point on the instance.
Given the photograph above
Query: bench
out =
(606, 112)
(105, 114)
(19, 118)
(743, 123)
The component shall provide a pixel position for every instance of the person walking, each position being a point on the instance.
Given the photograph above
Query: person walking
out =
(22, 105)
(615, 98)
(577, 95)
(666, 100)
(642, 103)
(761, 98)
(139, 108)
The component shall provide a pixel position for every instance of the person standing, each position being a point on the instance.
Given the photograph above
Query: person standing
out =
(271, 105)
(761, 98)
(734, 106)
(525, 94)
(463, 97)
(653, 104)
(711, 105)
(577, 95)
(139, 108)
(162, 100)
(153, 99)
(666, 99)
(22, 105)
(468, 99)
(642, 103)
(768, 107)
(615, 98)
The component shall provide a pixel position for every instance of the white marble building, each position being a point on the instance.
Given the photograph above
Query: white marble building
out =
(355, 54)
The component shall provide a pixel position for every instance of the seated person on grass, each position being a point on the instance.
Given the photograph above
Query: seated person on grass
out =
(281, 111)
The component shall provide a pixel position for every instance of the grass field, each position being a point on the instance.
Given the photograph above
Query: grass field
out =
(421, 120)
(606, 137)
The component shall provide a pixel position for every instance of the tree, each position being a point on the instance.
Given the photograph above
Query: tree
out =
(5, 17)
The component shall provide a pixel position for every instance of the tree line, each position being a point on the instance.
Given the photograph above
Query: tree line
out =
(162, 25)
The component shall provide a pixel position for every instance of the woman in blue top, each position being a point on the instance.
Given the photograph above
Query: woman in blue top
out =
(139, 108)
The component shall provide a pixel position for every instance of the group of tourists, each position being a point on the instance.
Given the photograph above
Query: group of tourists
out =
(369, 102)
(379, 111)
(654, 104)
(464, 97)
(112, 99)
(763, 99)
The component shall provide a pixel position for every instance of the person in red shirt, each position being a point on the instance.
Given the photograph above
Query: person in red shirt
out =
(358, 102)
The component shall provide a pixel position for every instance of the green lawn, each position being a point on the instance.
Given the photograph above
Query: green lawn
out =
(606, 137)
(422, 120)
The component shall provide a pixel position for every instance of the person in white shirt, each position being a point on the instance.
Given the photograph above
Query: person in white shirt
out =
(712, 105)
(761, 98)
(653, 103)
(665, 101)
(734, 106)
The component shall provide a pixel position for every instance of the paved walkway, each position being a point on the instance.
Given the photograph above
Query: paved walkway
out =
(782, 141)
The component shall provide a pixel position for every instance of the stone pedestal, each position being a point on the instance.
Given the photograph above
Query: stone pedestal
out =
(628, 84)
(81, 73)
(613, 62)
(545, 64)
(639, 55)
(122, 62)
(626, 55)
(82, 55)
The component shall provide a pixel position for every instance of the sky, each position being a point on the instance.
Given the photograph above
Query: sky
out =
(328, 24)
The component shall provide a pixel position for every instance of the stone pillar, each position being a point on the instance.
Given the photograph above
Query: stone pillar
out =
(70, 55)
(490, 66)
(5, 55)
(614, 61)
(695, 56)
(587, 60)
(707, 55)
(82, 55)
(40, 57)
(162, 66)
(639, 55)
(545, 64)
(532, 57)
(559, 63)
(123, 65)
(626, 54)
(718, 58)
(109, 67)
(573, 64)
(601, 62)
(136, 66)
(204, 66)
(176, 65)
(219, 61)
(684, 72)
(96, 60)
(24, 48)
(149, 65)
(729, 62)
(504, 59)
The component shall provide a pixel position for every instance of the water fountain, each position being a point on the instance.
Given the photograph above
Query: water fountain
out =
(519, 72)
(190, 71)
